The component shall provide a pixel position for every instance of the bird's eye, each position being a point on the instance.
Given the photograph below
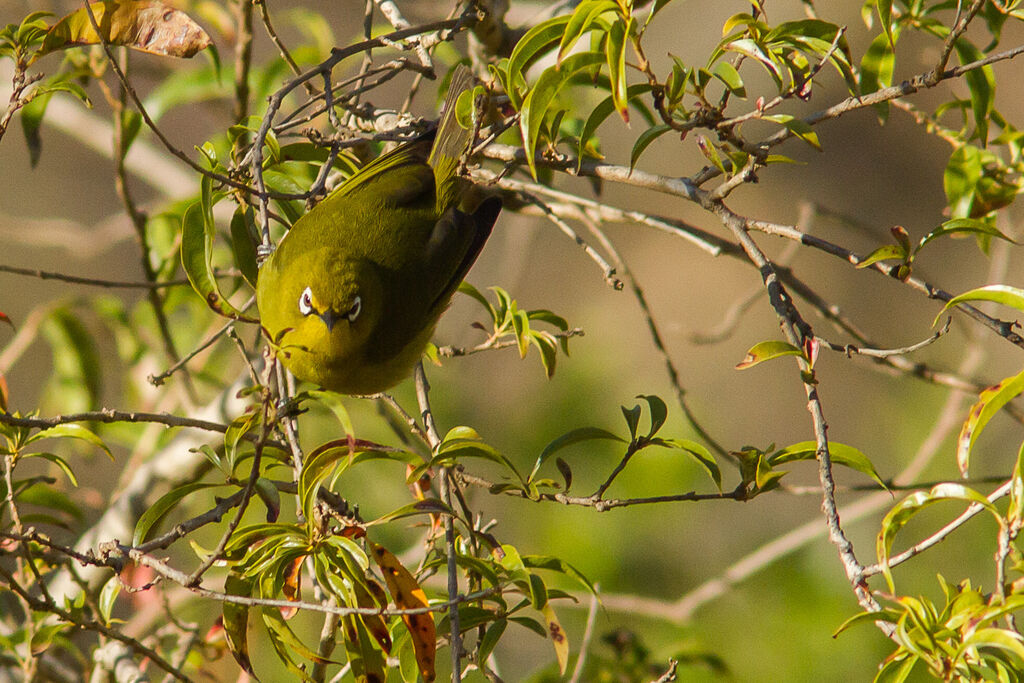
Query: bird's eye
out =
(353, 313)
(306, 301)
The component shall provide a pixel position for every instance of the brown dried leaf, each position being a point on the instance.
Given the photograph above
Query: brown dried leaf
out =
(142, 25)
(407, 594)
(292, 587)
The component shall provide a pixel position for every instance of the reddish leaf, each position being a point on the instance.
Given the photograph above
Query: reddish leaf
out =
(292, 587)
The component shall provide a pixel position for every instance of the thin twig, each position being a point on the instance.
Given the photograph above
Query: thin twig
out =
(446, 484)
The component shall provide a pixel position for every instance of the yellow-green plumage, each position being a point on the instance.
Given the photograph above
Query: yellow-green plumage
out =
(352, 293)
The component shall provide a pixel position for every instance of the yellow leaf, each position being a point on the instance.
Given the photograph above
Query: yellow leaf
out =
(557, 636)
(407, 594)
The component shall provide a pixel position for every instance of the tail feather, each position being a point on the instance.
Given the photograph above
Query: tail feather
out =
(451, 140)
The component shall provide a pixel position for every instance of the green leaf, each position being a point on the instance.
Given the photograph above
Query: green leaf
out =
(615, 52)
(1015, 510)
(645, 139)
(750, 48)
(699, 452)
(235, 619)
(575, 436)
(542, 95)
(1002, 294)
(997, 638)
(897, 669)
(883, 253)
(334, 403)
(427, 506)
(902, 513)
(197, 232)
(162, 506)
(981, 83)
(876, 70)
(960, 179)
(659, 412)
(601, 112)
(238, 428)
(990, 402)
(71, 430)
(559, 565)
(582, 20)
(632, 416)
(536, 42)
(243, 244)
(31, 121)
(727, 73)
(77, 377)
(58, 461)
(767, 350)
(108, 595)
(839, 453)
(884, 9)
(961, 226)
(490, 638)
(797, 127)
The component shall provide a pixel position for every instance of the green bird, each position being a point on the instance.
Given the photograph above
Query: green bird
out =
(352, 293)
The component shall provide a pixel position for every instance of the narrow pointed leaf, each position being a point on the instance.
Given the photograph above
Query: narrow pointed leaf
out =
(767, 350)
(990, 402)
(1002, 294)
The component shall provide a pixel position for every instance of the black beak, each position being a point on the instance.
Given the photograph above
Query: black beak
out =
(330, 318)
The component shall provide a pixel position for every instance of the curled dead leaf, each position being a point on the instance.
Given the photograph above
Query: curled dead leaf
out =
(143, 25)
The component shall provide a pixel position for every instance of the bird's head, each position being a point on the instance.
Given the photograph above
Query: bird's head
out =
(336, 307)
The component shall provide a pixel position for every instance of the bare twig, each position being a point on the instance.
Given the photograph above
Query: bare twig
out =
(446, 484)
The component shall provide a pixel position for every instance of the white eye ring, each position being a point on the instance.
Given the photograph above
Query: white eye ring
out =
(306, 301)
(353, 313)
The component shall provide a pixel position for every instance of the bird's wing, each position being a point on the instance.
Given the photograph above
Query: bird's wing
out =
(449, 234)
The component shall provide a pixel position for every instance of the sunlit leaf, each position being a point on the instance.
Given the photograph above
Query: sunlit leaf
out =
(903, 511)
(876, 70)
(797, 127)
(839, 453)
(727, 73)
(1001, 294)
(581, 21)
(542, 95)
(557, 636)
(536, 42)
(71, 430)
(961, 226)
(883, 253)
(989, 403)
(767, 350)
(615, 51)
